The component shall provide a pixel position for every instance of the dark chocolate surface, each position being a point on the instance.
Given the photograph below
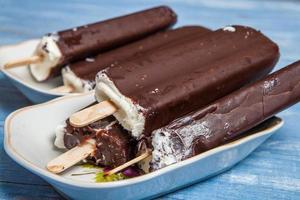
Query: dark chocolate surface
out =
(88, 68)
(88, 40)
(228, 117)
(114, 146)
(173, 81)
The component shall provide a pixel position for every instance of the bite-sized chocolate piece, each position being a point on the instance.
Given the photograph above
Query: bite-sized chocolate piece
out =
(161, 85)
(67, 46)
(81, 75)
(226, 118)
(114, 146)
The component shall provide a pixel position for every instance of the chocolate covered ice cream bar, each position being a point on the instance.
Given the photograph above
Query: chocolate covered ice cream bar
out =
(166, 83)
(226, 118)
(58, 49)
(81, 75)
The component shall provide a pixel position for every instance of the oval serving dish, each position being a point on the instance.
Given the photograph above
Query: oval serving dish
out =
(34, 127)
(36, 92)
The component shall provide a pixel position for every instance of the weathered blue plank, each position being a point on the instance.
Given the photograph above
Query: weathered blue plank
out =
(27, 191)
(271, 172)
(10, 98)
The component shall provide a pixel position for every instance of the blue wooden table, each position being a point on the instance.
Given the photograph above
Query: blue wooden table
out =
(271, 172)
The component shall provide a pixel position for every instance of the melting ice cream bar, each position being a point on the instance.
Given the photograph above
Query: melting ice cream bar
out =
(61, 48)
(152, 90)
(81, 75)
(226, 118)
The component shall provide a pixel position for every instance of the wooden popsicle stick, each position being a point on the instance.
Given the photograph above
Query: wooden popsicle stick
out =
(129, 163)
(92, 114)
(72, 157)
(24, 61)
(63, 89)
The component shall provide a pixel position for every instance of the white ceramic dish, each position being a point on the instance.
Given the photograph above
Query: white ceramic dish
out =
(21, 77)
(29, 134)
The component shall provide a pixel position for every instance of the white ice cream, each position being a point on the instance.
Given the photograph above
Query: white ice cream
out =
(229, 28)
(168, 150)
(129, 114)
(163, 153)
(79, 85)
(51, 57)
(59, 137)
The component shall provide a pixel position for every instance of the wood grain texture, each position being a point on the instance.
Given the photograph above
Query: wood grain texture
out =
(271, 172)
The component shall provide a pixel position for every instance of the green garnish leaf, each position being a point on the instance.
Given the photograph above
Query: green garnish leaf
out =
(100, 178)
(108, 178)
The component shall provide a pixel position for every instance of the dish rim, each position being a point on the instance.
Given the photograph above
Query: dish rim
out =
(17, 157)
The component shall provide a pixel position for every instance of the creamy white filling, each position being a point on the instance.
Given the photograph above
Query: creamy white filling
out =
(163, 153)
(59, 137)
(169, 148)
(229, 28)
(51, 57)
(79, 85)
(129, 114)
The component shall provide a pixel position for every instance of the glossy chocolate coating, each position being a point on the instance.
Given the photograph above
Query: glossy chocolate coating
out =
(179, 78)
(88, 68)
(114, 146)
(90, 39)
(229, 117)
